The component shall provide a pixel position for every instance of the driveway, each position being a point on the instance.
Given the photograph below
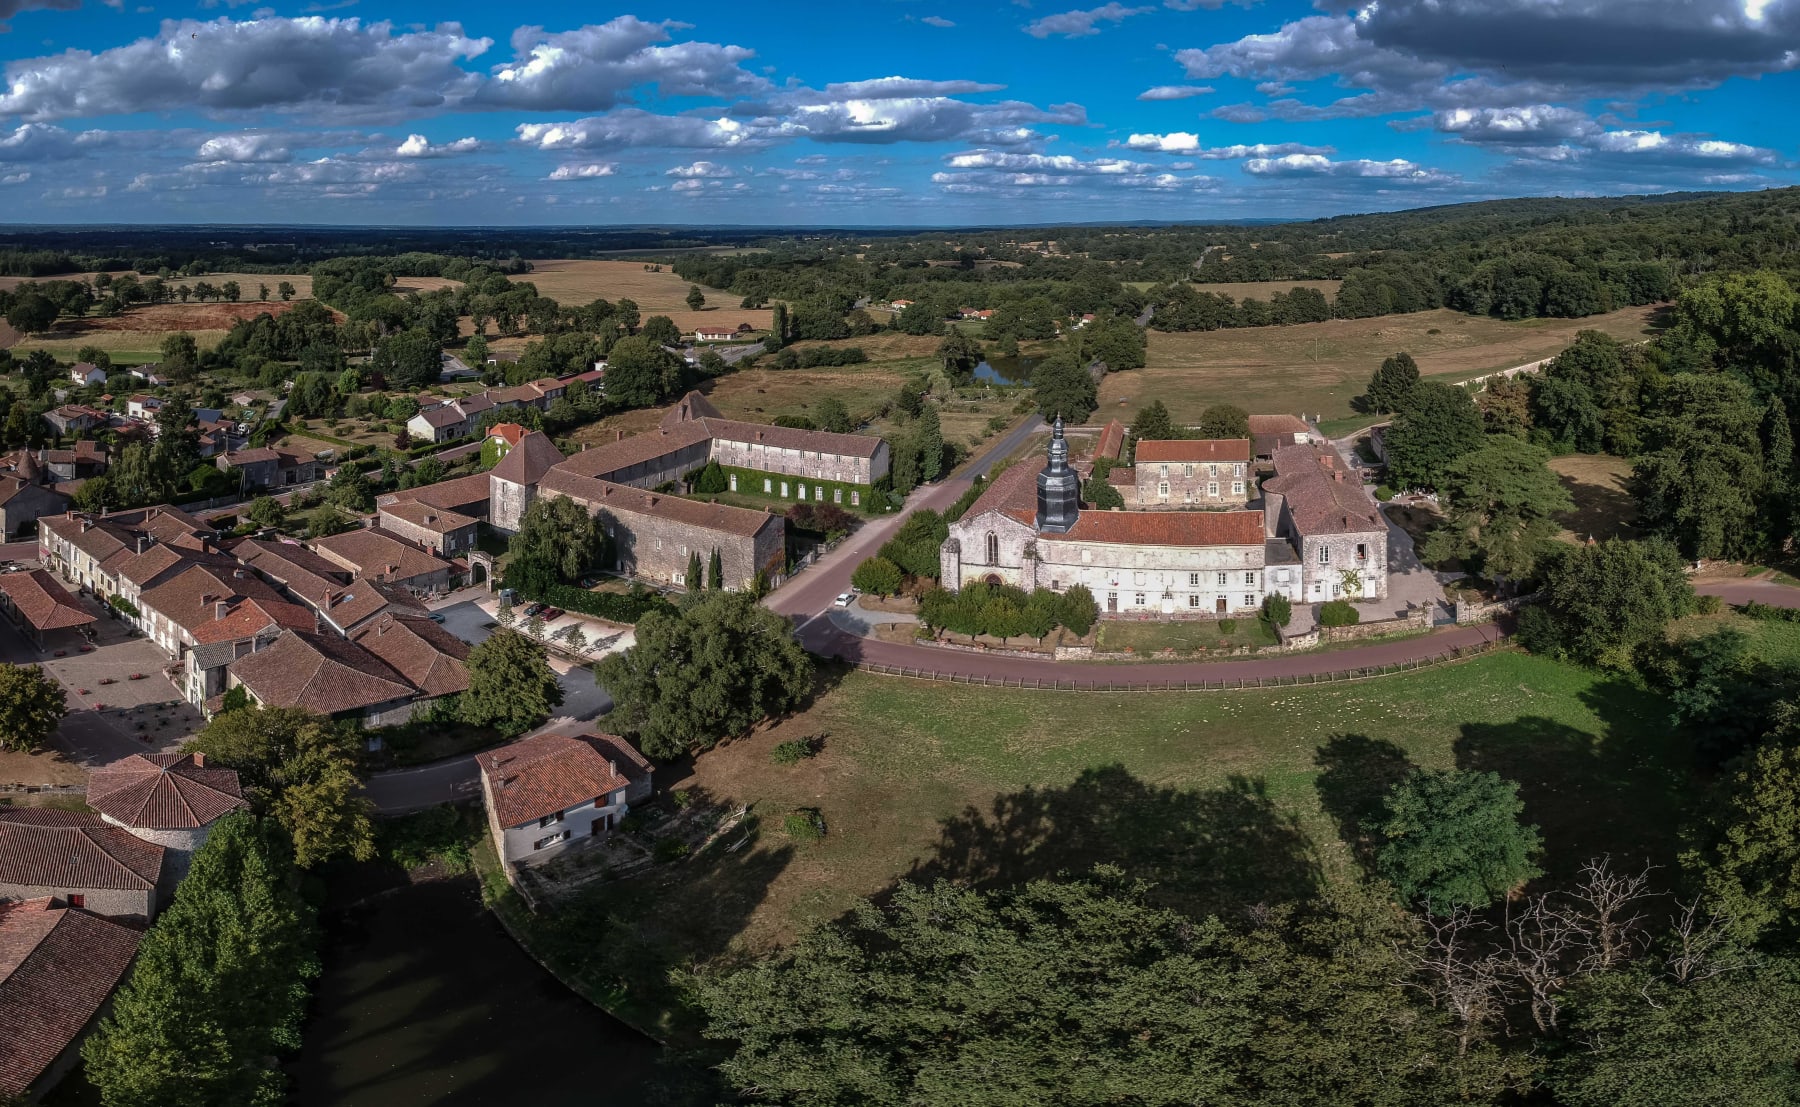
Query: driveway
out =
(1409, 581)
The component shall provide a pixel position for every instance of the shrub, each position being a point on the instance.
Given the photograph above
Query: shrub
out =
(1338, 613)
(1227, 626)
(804, 825)
(792, 752)
(1277, 609)
(669, 849)
(711, 479)
(1384, 493)
(1709, 605)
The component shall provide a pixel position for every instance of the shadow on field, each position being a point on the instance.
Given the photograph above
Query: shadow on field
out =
(1224, 850)
(1355, 774)
(1617, 793)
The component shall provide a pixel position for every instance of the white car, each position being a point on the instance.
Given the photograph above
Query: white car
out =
(844, 599)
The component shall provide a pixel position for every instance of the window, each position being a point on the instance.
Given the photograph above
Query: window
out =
(551, 840)
(1324, 555)
(733, 477)
(1187, 470)
(767, 485)
(837, 495)
(784, 489)
(1249, 601)
(1140, 599)
(1163, 471)
(1193, 601)
(659, 543)
(1237, 470)
(1250, 579)
(1193, 580)
(1237, 488)
(548, 819)
(1212, 470)
(1317, 587)
(1212, 489)
(855, 499)
(1362, 552)
(993, 548)
(803, 491)
(1336, 590)
(1224, 580)
(1163, 490)
(1087, 557)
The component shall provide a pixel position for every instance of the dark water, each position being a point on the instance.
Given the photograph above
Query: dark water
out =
(1006, 370)
(427, 1000)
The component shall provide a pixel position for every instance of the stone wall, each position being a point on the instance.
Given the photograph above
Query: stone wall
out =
(659, 548)
(1467, 613)
(1340, 552)
(1177, 484)
(814, 464)
(507, 503)
(444, 544)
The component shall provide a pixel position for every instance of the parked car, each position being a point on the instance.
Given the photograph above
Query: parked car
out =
(844, 599)
(533, 609)
(437, 616)
(552, 613)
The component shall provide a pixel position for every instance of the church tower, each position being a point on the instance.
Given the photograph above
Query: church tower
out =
(1058, 488)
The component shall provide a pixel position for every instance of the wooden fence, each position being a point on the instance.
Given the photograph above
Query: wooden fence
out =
(1139, 684)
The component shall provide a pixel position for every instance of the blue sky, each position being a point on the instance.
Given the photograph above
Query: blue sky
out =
(909, 112)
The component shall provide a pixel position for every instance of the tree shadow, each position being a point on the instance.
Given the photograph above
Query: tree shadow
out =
(1221, 850)
(1618, 793)
(1603, 508)
(1356, 773)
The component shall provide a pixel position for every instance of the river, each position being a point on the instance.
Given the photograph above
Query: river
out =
(426, 999)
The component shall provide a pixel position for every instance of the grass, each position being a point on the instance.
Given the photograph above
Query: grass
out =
(1316, 368)
(1604, 508)
(1149, 638)
(577, 282)
(932, 780)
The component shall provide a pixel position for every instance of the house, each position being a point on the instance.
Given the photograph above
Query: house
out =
(325, 673)
(149, 375)
(74, 419)
(1316, 501)
(35, 603)
(143, 407)
(102, 552)
(345, 609)
(512, 482)
(444, 533)
(714, 334)
(374, 553)
(206, 610)
(548, 794)
(464, 495)
(23, 502)
(85, 373)
(900, 305)
(170, 799)
(80, 859)
(504, 436)
(1269, 433)
(268, 467)
(58, 965)
(430, 658)
(1188, 473)
(438, 424)
(81, 460)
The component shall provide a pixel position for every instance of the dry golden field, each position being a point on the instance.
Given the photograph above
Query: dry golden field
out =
(1604, 507)
(572, 282)
(1316, 368)
(248, 282)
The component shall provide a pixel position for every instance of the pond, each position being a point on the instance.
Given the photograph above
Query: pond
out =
(1006, 370)
(427, 999)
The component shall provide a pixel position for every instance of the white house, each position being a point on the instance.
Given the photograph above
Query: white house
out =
(84, 373)
(548, 794)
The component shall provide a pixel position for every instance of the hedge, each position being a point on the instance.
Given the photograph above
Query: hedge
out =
(750, 484)
(614, 607)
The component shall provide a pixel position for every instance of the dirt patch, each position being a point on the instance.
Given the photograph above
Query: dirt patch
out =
(1604, 507)
(1316, 368)
(170, 318)
(582, 281)
(46, 767)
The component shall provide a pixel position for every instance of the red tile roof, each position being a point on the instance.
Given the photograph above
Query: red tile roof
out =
(1013, 493)
(468, 495)
(1112, 440)
(1190, 450)
(509, 433)
(1278, 424)
(296, 568)
(190, 599)
(1169, 528)
(1324, 495)
(72, 851)
(435, 519)
(57, 966)
(164, 791)
(319, 672)
(247, 618)
(624, 498)
(529, 459)
(373, 552)
(428, 656)
(43, 603)
(540, 776)
(363, 598)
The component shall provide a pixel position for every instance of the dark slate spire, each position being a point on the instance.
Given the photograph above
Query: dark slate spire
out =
(1058, 487)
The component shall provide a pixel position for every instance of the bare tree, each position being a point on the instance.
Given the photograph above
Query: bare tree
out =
(1457, 978)
(1608, 904)
(1541, 940)
(1702, 948)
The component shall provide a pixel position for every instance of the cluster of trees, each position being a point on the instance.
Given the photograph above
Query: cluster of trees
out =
(32, 703)
(558, 542)
(1003, 611)
(1180, 306)
(708, 671)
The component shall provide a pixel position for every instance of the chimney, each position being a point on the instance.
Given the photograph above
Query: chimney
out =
(199, 760)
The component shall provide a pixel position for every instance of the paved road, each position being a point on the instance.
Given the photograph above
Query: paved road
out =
(1744, 591)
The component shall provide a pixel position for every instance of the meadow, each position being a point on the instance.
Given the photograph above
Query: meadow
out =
(577, 282)
(1317, 368)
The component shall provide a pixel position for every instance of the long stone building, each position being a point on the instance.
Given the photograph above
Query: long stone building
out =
(1029, 529)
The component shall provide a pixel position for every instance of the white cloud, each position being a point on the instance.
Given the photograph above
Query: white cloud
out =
(1317, 165)
(582, 172)
(1182, 142)
(936, 21)
(244, 148)
(634, 127)
(1174, 92)
(1059, 163)
(1080, 23)
(701, 169)
(928, 119)
(418, 146)
(592, 68)
(16, 178)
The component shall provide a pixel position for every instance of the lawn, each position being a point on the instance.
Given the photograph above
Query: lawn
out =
(1150, 637)
(578, 282)
(1604, 507)
(1219, 797)
(1316, 368)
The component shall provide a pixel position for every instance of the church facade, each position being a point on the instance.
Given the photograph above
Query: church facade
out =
(1029, 529)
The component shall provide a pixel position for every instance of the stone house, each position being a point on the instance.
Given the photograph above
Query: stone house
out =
(445, 533)
(82, 459)
(23, 502)
(1190, 473)
(325, 673)
(74, 419)
(105, 552)
(58, 966)
(1316, 501)
(1269, 433)
(512, 482)
(377, 554)
(654, 535)
(549, 794)
(427, 656)
(80, 859)
(169, 799)
(269, 467)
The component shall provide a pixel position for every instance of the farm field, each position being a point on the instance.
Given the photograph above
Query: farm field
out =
(1316, 368)
(137, 335)
(249, 282)
(1219, 793)
(1604, 507)
(575, 282)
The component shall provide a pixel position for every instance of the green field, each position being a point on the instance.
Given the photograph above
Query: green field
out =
(1222, 797)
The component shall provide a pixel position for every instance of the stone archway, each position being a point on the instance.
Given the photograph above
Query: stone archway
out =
(992, 578)
(481, 569)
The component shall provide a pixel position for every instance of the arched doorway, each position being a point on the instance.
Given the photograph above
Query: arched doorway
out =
(992, 578)
(481, 569)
